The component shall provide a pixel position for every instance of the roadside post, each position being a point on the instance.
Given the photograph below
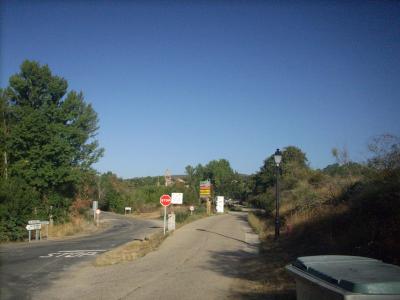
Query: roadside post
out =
(176, 198)
(165, 201)
(208, 203)
(95, 207)
(128, 209)
(51, 216)
(191, 209)
(171, 222)
(97, 216)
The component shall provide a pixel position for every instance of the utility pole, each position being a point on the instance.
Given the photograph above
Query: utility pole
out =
(277, 159)
(5, 151)
(277, 221)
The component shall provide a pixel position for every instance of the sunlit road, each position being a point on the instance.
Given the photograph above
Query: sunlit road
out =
(201, 260)
(31, 267)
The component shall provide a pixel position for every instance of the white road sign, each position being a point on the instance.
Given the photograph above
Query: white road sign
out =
(220, 204)
(34, 222)
(44, 222)
(176, 198)
(33, 226)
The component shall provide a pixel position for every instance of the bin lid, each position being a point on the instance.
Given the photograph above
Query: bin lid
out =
(353, 273)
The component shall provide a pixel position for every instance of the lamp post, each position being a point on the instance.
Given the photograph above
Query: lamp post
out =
(278, 159)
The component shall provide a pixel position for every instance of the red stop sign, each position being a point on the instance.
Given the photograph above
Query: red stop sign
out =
(165, 200)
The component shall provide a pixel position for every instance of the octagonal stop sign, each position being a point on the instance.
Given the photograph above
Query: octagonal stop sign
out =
(165, 200)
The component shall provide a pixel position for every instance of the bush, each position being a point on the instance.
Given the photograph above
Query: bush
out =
(17, 205)
(264, 201)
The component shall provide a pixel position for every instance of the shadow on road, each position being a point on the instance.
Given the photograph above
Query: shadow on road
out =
(257, 276)
(228, 237)
(249, 269)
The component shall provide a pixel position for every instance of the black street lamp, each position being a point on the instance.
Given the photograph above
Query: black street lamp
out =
(278, 159)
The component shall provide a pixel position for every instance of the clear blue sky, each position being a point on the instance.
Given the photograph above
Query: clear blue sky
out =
(185, 82)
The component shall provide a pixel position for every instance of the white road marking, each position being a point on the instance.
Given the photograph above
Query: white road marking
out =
(73, 253)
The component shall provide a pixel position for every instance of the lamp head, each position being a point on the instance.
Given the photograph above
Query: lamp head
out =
(278, 157)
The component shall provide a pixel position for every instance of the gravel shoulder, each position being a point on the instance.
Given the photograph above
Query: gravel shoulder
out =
(201, 260)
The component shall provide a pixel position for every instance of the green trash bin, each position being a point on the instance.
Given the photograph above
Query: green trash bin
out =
(344, 277)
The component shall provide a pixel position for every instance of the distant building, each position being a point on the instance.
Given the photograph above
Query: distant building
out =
(180, 180)
(171, 180)
(168, 178)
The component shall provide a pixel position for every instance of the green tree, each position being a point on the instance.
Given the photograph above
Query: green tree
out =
(348, 169)
(294, 167)
(294, 164)
(190, 175)
(52, 137)
(225, 181)
(221, 175)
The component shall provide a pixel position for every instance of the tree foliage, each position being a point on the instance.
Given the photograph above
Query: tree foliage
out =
(294, 165)
(51, 136)
(386, 152)
(48, 136)
(225, 181)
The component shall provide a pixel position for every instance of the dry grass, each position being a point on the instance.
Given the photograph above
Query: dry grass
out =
(130, 251)
(266, 277)
(338, 216)
(75, 226)
(312, 216)
(258, 224)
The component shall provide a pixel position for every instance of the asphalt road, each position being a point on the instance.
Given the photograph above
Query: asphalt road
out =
(28, 268)
(201, 260)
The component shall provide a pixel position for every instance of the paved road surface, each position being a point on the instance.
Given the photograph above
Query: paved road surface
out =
(199, 261)
(27, 268)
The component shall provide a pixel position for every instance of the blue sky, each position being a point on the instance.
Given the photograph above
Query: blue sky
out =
(184, 82)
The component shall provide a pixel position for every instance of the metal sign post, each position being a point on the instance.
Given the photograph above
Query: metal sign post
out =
(165, 201)
(34, 225)
(165, 218)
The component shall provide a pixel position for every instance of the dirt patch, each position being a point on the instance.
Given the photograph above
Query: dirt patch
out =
(147, 215)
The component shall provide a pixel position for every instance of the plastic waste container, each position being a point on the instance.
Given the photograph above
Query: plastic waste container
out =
(344, 277)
